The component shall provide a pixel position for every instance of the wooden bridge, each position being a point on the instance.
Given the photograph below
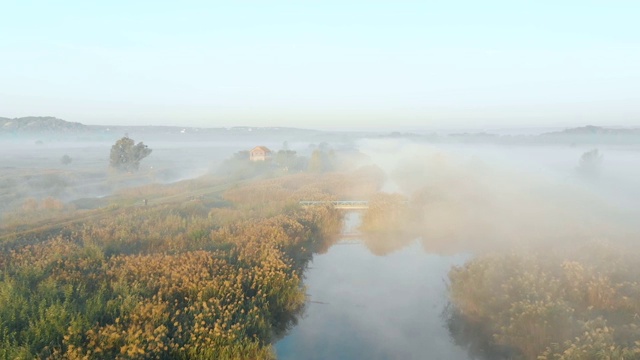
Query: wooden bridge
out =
(340, 204)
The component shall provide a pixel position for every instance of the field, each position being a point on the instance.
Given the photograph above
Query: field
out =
(209, 267)
(203, 256)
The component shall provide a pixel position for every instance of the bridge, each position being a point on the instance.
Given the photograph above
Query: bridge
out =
(350, 237)
(340, 204)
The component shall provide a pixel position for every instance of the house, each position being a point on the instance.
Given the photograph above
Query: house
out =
(260, 153)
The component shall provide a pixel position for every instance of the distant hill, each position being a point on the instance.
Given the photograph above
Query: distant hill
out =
(592, 135)
(585, 135)
(54, 128)
(594, 130)
(49, 124)
(40, 124)
(51, 128)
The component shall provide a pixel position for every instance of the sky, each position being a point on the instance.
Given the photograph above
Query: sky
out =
(351, 64)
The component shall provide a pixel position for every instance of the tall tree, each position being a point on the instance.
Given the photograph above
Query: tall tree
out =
(316, 162)
(126, 155)
(321, 161)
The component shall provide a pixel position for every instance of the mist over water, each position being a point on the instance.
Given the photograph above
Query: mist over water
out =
(385, 295)
(487, 197)
(364, 306)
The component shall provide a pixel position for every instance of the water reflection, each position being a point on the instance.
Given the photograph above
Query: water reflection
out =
(364, 306)
(470, 336)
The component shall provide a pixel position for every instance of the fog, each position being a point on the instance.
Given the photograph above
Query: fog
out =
(387, 294)
(484, 197)
(31, 167)
(463, 197)
(445, 204)
(320, 180)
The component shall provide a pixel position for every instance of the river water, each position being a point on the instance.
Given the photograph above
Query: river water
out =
(364, 306)
(367, 306)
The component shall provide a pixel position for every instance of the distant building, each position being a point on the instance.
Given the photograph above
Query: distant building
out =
(259, 153)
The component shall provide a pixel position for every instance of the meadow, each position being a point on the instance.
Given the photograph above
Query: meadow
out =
(207, 269)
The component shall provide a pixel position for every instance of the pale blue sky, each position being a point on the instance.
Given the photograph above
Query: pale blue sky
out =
(323, 63)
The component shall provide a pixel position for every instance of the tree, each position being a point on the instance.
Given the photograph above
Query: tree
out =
(316, 162)
(286, 159)
(590, 163)
(126, 156)
(321, 161)
(66, 159)
(242, 155)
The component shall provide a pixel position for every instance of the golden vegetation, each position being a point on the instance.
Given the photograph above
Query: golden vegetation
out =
(36, 210)
(578, 304)
(214, 278)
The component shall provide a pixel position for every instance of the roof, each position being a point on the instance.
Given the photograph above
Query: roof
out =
(263, 148)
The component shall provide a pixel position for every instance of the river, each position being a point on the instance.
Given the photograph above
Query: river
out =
(364, 306)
